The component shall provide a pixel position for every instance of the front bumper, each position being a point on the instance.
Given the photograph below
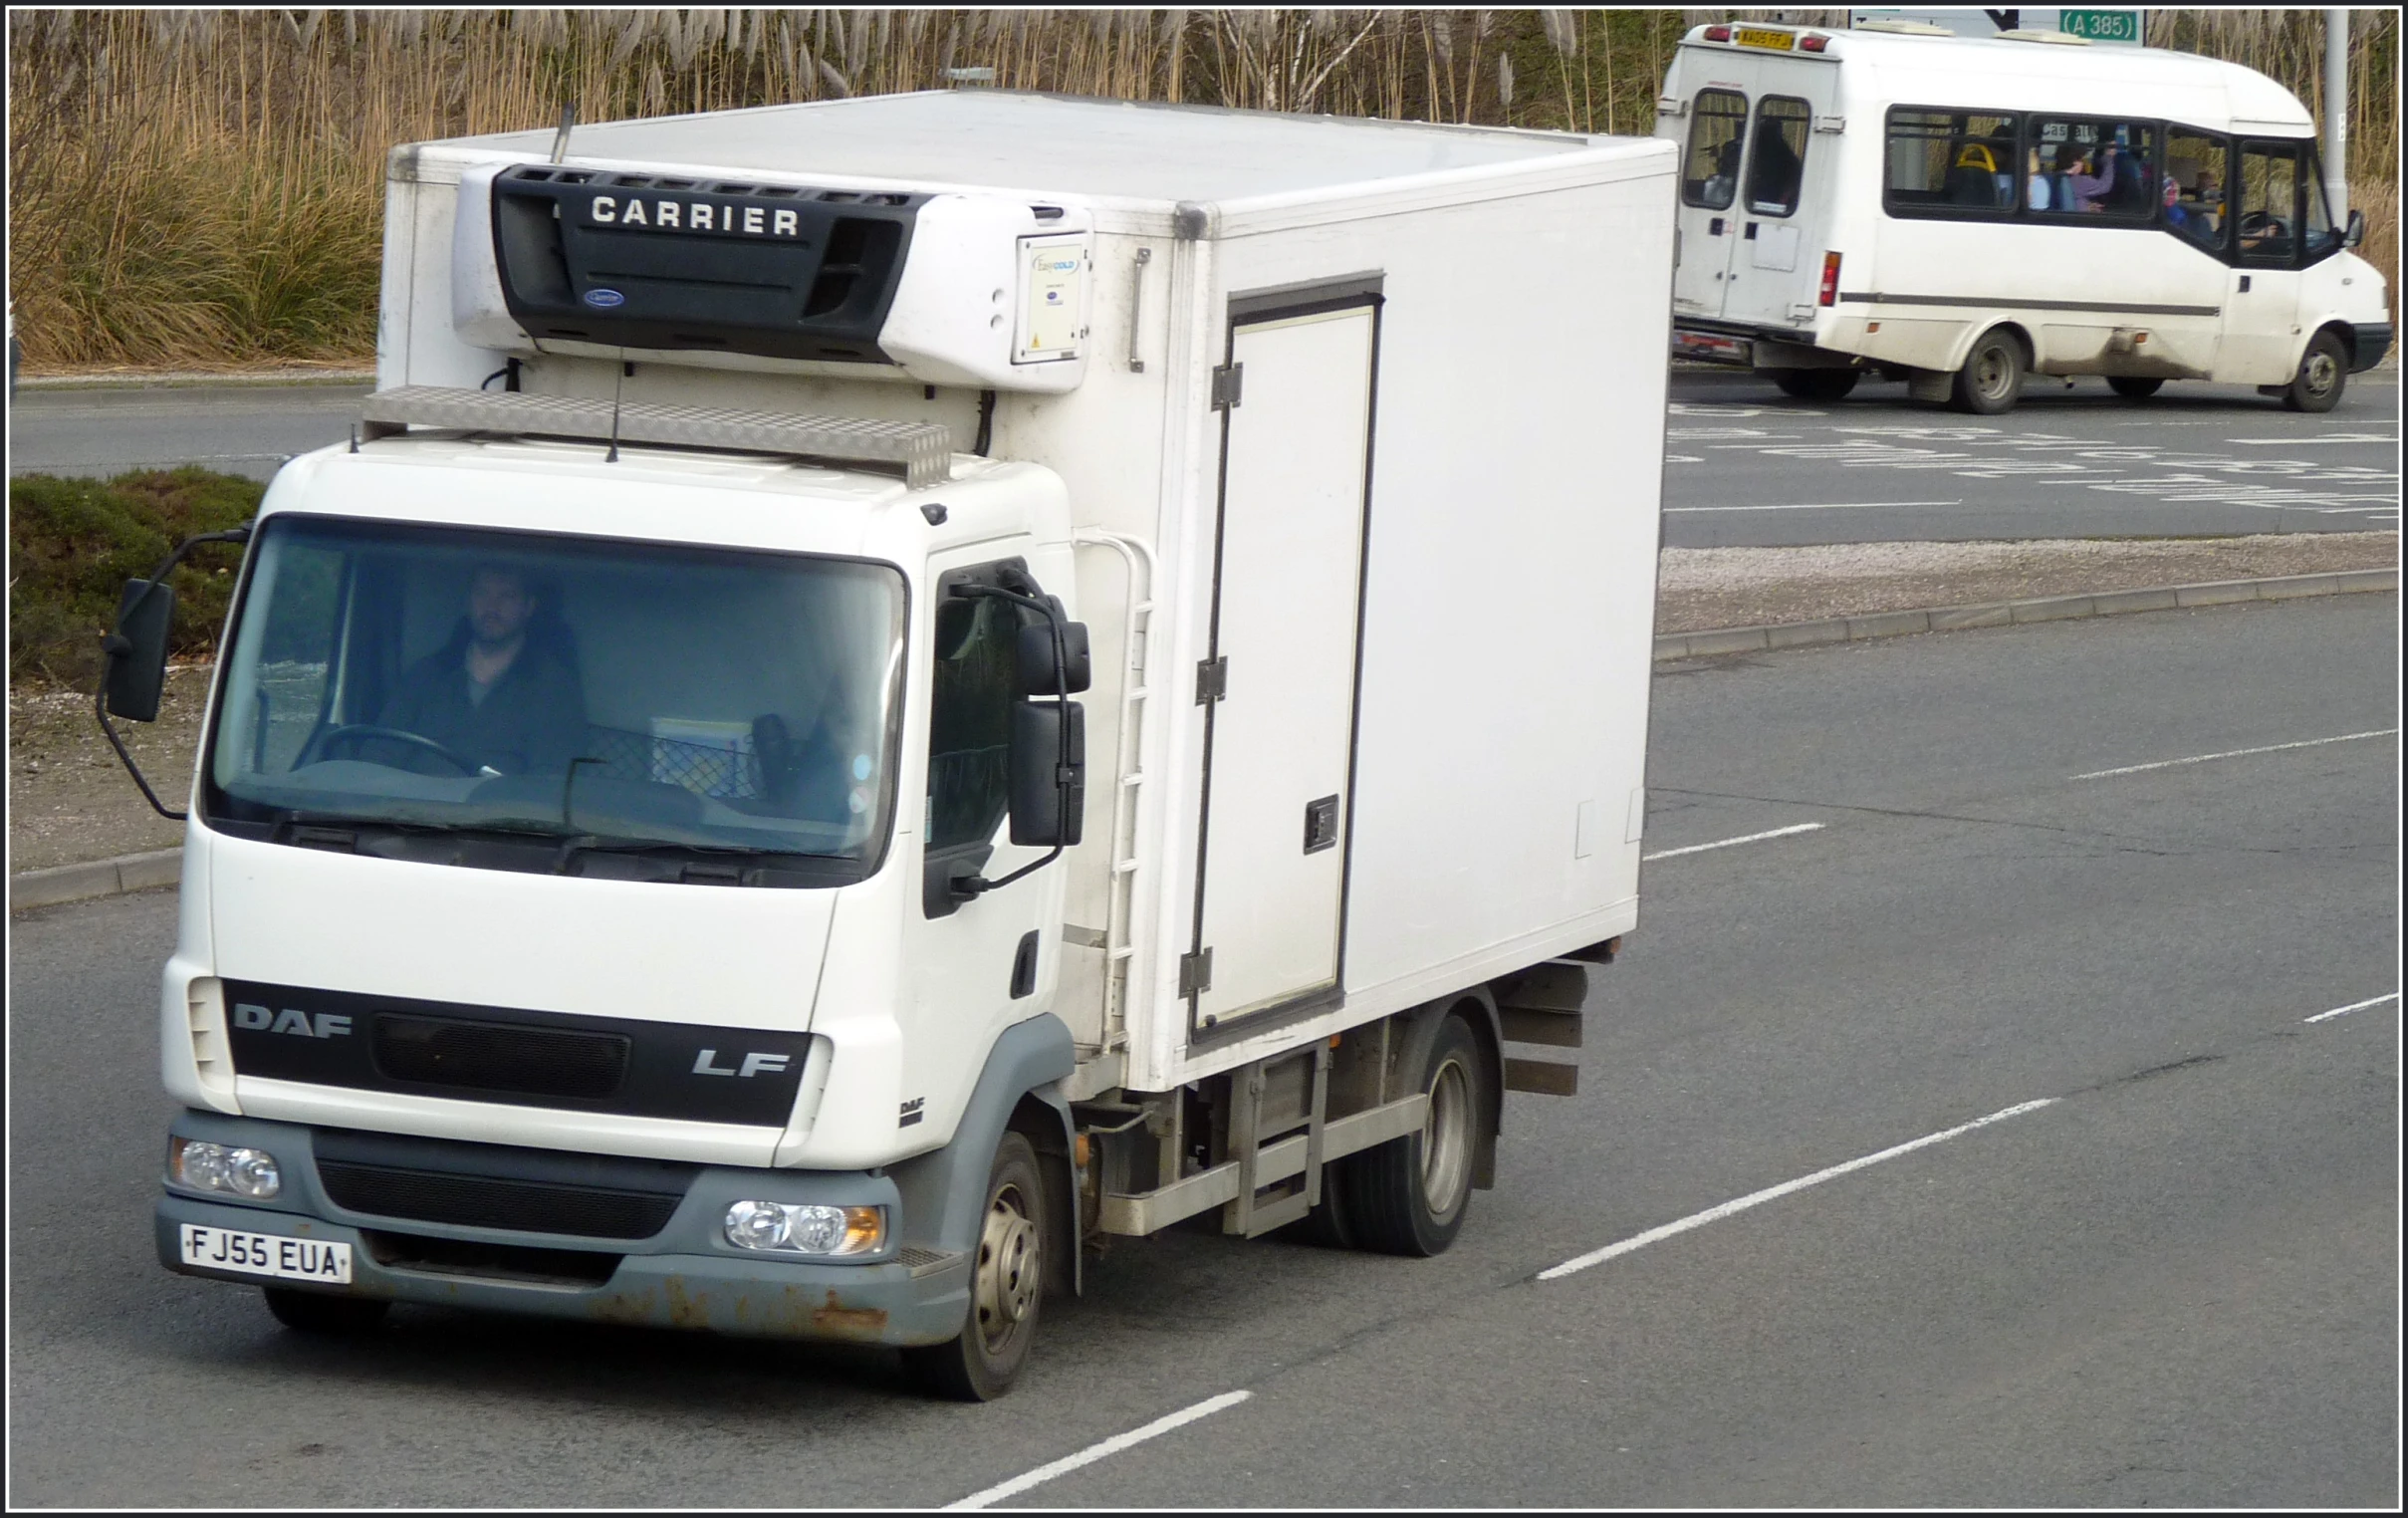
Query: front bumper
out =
(685, 1276)
(2372, 339)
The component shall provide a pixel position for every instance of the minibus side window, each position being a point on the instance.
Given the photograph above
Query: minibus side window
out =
(1718, 134)
(1958, 164)
(2193, 191)
(2266, 209)
(1779, 167)
(2094, 169)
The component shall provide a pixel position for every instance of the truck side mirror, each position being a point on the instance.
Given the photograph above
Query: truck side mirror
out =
(1048, 773)
(137, 651)
(2356, 231)
(1038, 675)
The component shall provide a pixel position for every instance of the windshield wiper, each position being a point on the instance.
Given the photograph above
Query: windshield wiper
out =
(724, 862)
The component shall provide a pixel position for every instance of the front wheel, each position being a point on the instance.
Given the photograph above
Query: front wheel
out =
(2323, 370)
(1815, 384)
(2134, 387)
(1408, 1196)
(980, 1363)
(1991, 379)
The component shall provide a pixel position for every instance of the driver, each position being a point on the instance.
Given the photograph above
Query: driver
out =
(493, 694)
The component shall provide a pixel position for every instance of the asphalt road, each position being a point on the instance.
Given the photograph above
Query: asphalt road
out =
(2175, 1283)
(1746, 464)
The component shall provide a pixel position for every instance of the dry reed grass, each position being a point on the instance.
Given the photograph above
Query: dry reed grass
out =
(203, 188)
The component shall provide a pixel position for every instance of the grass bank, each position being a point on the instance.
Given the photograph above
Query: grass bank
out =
(203, 189)
(74, 543)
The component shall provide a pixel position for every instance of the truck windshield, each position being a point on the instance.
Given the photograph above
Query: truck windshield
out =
(624, 695)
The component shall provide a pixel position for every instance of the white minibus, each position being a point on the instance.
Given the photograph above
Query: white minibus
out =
(1959, 213)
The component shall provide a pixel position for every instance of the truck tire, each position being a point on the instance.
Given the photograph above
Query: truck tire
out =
(2134, 387)
(1408, 1196)
(2323, 370)
(1991, 379)
(1815, 384)
(1006, 1282)
(312, 1312)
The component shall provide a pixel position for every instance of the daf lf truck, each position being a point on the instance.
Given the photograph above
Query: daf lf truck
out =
(888, 689)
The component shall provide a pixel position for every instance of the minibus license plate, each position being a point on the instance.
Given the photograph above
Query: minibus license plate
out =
(1752, 37)
(267, 1255)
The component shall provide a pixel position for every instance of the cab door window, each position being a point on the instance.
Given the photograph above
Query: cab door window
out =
(971, 695)
(1781, 149)
(1718, 137)
(2266, 209)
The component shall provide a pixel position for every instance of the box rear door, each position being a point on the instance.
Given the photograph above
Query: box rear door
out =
(1285, 621)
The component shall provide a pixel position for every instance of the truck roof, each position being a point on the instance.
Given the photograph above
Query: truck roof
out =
(1005, 140)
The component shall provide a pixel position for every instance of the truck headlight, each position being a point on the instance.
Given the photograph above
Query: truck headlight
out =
(246, 1172)
(805, 1228)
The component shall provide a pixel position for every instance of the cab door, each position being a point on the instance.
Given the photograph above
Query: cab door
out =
(2261, 335)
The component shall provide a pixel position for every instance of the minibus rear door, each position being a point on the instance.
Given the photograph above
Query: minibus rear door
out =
(1782, 208)
(1715, 133)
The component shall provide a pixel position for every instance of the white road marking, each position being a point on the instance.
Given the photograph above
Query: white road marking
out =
(2356, 1006)
(1752, 837)
(1770, 1193)
(2271, 748)
(1094, 1453)
(2303, 443)
(1814, 506)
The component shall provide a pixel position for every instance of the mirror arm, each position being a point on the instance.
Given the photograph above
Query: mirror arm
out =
(976, 885)
(114, 646)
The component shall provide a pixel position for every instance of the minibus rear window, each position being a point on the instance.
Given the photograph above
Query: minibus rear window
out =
(1956, 164)
(1718, 135)
(1781, 149)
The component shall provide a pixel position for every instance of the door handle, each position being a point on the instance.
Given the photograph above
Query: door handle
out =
(2244, 284)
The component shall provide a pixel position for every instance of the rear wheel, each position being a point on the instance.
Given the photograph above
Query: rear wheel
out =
(1991, 379)
(311, 1311)
(1815, 384)
(1006, 1282)
(1408, 1196)
(2323, 370)
(2134, 387)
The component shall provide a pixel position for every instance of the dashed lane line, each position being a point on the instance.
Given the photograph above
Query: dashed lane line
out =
(1094, 1453)
(1752, 837)
(2270, 748)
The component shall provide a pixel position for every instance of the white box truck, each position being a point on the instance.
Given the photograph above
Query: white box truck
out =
(890, 689)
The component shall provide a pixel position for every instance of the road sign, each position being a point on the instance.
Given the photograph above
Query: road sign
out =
(2101, 26)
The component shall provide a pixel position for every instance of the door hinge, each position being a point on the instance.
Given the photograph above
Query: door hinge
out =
(1212, 679)
(1195, 972)
(1228, 386)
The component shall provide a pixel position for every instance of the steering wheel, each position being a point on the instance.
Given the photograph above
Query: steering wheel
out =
(350, 731)
(2262, 224)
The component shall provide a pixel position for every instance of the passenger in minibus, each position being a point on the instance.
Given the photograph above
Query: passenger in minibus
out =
(1774, 189)
(2036, 181)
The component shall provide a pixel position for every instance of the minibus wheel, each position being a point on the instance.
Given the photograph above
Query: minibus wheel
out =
(2134, 387)
(1991, 379)
(1815, 384)
(2323, 369)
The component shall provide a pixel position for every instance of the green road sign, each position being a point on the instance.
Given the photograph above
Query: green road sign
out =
(2101, 25)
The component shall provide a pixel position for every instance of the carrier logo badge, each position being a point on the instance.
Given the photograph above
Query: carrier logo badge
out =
(604, 299)
(292, 1021)
(913, 1112)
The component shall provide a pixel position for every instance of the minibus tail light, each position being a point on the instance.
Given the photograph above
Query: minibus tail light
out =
(1813, 43)
(1830, 280)
(1718, 34)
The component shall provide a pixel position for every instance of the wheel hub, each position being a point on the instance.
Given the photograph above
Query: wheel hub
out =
(1446, 1139)
(1007, 1266)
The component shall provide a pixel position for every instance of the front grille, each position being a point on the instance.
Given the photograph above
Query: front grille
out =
(530, 1206)
(543, 1062)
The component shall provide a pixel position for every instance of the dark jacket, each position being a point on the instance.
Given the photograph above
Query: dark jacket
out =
(531, 721)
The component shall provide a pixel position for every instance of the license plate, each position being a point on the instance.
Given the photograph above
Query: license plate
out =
(267, 1255)
(1752, 37)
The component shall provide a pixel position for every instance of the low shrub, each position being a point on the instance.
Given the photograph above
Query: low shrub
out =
(74, 543)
